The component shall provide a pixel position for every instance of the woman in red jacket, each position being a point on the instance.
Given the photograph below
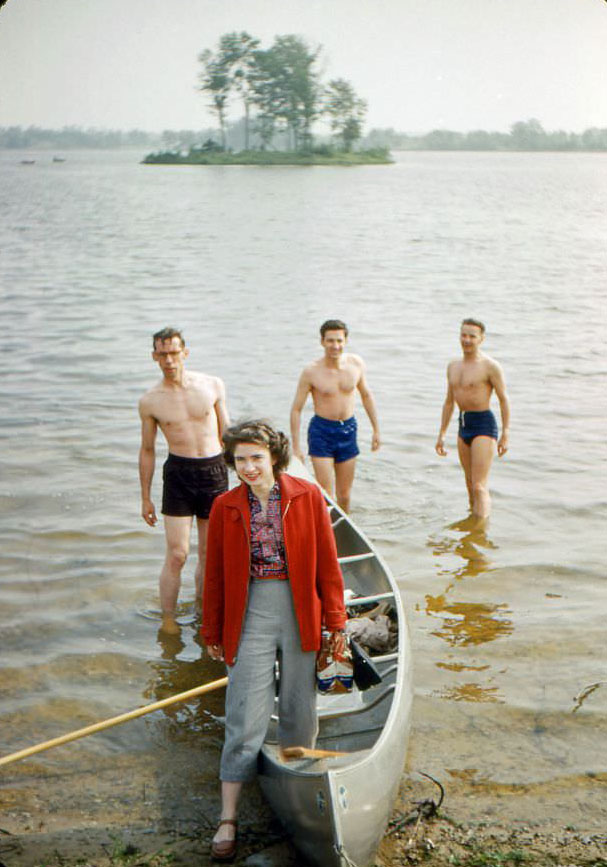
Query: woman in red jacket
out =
(272, 582)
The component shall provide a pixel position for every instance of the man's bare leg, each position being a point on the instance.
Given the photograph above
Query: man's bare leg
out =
(203, 529)
(230, 795)
(177, 534)
(344, 479)
(482, 450)
(465, 458)
(323, 470)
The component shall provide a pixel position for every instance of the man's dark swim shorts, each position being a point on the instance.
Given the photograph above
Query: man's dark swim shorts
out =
(332, 439)
(477, 424)
(191, 485)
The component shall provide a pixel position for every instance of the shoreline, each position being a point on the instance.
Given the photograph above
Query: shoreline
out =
(130, 810)
(437, 841)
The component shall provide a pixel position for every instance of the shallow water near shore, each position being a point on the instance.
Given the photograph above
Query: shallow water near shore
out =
(507, 623)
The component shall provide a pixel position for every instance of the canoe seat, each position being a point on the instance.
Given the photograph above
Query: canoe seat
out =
(344, 709)
(385, 657)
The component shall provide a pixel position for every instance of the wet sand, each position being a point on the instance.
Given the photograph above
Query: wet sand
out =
(158, 808)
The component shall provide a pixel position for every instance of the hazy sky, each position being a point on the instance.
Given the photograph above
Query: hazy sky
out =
(420, 64)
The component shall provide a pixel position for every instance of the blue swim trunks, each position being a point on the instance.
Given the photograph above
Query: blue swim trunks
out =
(332, 439)
(477, 424)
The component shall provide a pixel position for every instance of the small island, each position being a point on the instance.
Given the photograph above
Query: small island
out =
(317, 157)
(282, 97)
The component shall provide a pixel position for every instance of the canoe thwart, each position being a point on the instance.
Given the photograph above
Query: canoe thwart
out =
(354, 558)
(355, 601)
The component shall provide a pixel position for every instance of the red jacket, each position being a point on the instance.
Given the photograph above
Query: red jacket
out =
(316, 581)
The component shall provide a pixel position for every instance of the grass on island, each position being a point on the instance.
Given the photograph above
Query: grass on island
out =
(322, 156)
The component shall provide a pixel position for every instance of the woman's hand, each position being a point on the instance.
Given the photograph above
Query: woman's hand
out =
(215, 651)
(337, 642)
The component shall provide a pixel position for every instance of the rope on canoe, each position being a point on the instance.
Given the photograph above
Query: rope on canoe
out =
(424, 809)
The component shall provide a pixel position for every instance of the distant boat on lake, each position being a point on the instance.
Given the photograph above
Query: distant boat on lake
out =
(58, 159)
(27, 162)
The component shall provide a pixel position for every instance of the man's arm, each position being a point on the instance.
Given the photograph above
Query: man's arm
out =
(445, 419)
(496, 377)
(147, 461)
(221, 409)
(368, 402)
(301, 395)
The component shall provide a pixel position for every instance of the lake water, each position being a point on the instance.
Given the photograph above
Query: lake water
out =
(508, 626)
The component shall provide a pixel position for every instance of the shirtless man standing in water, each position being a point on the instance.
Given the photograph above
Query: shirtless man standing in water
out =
(333, 381)
(471, 381)
(190, 410)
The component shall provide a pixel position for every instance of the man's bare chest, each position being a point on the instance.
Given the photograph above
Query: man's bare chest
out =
(335, 382)
(470, 378)
(190, 405)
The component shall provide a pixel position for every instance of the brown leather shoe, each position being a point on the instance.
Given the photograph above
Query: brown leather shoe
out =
(226, 849)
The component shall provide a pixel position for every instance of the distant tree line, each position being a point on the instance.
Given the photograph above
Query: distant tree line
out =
(523, 136)
(281, 92)
(75, 137)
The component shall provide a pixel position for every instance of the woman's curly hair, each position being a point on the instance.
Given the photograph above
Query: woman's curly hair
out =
(258, 431)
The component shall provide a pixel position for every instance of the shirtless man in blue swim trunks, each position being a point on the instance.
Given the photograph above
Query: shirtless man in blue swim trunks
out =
(190, 410)
(333, 381)
(471, 381)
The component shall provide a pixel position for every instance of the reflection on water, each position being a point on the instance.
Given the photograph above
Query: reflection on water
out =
(470, 692)
(171, 645)
(467, 547)
(471, 622)
(171, 675)
(459, 666)
(467, 623)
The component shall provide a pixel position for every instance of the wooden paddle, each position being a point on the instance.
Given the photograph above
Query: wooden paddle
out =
(114, 721)
(306, 753)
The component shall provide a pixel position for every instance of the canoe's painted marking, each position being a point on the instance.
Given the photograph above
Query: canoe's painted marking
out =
(321, 802)
(343, 797)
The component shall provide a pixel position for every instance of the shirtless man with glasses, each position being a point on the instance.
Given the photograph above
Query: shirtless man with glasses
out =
(190, 410)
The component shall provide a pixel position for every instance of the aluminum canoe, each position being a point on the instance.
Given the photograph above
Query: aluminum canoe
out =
(336, 809)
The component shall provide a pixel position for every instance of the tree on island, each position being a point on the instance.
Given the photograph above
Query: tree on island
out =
(236, 59)
(287, 91)
(346, 110)
(215, 79)
(283, 84)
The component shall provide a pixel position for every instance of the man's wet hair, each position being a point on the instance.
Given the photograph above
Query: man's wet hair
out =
(167, 334)
(333, 325)
(477, 322)
(261, 432)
